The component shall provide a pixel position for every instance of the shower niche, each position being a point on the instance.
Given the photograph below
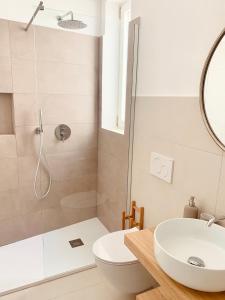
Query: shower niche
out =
(6, 114)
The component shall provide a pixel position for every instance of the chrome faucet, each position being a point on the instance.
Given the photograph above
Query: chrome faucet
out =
(214, 220)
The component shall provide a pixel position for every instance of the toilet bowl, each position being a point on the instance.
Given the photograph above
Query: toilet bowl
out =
(119, 266)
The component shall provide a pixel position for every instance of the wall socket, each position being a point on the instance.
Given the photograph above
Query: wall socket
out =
(162, 167)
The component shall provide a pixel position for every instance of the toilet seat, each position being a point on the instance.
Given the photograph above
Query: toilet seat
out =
(110, 249)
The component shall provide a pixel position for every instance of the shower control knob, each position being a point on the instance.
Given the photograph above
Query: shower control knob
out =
(62, 132)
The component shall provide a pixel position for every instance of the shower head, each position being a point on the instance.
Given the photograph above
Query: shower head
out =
(70, 23)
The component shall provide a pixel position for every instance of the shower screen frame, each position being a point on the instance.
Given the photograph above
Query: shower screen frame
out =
(132, 79)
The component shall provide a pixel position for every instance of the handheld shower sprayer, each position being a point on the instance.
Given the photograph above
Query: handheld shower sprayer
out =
(39, 129)
(41, 157)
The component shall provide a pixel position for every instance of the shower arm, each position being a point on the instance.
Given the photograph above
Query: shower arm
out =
(40, 7)
(70, 13)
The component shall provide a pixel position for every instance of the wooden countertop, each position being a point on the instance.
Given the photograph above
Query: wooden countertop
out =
(141, 244)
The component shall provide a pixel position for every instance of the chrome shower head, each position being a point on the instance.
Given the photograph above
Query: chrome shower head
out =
(70, 23)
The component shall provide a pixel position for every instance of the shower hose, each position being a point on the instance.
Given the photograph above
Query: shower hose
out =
(42, 158)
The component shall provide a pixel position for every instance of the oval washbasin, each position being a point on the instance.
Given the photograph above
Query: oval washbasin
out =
(192, 253)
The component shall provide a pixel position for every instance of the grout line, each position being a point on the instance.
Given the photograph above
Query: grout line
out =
(14, 121)
(162, 140)
(95, 129)
(57, 94)
(140, 97)
(91, 67)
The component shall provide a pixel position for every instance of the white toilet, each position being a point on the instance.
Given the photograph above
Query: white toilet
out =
(120, 266)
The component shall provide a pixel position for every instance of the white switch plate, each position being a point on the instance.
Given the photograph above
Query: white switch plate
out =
(162, 167)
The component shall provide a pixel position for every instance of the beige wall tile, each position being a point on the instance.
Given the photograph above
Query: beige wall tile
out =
(79, 192)
(220, 206)
(6, 114)
(27, 168)
(53, 219)
(25, 110)
(69, 216)
(175, 119)
(25, 200)
(77, 79)
(173, 126)
(117, 174)
(8, 231)
(27, 141)
(22, 42)
(68, 108)
(112, 178)
(6, 75)
(113, 143)
(29, 224)
(71, 74)
(68, 166)
(83, 140)
(9, 174)
(68, 47)
(8, 146)
(9, 205)
(110, 220)
(4, 37)
(195, 173)
(23, 73)
(112, 189)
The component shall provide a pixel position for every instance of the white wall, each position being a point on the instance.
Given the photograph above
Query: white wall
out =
(88, 11)
(175, 38)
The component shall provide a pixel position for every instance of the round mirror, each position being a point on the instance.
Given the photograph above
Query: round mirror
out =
(213, 92)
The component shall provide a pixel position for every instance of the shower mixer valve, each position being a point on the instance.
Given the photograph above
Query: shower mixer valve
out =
(62, 132)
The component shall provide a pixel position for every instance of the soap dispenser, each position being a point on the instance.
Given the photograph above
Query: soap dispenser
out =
(191, 210)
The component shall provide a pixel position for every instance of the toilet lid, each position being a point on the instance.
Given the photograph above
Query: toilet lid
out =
(111, 248)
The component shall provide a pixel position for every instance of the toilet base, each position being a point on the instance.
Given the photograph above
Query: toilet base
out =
(119, 295)
(129, 280)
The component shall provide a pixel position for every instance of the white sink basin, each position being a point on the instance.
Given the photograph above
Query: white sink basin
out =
(176, 240)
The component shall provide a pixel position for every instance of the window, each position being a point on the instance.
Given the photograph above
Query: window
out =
(114, 64)
(125, 16)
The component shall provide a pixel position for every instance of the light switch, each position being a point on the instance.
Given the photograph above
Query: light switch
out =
(162, 167)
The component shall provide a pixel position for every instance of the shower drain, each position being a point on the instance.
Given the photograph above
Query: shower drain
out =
(196, 261)
(76, 243)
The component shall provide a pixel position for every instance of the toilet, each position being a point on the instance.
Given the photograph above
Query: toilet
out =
(119, 266)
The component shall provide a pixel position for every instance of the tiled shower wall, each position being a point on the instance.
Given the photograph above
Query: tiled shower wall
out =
(112, 176)
(57, 70)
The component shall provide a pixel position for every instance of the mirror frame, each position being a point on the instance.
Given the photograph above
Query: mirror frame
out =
(202, 88)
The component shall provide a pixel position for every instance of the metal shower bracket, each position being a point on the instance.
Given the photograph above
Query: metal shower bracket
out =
(40, 7)
(60, 18)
